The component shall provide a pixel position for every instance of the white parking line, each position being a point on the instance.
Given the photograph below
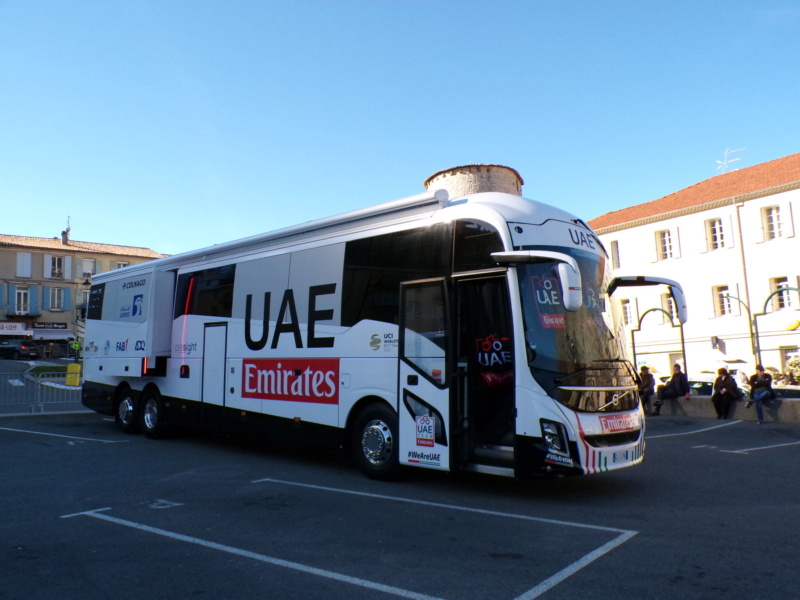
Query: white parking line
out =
(69, 437)
(536, 591)
(654, 437)
(401, 593)
(746, 450)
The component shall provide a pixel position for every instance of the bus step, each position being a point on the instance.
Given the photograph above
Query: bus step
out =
(501, 454)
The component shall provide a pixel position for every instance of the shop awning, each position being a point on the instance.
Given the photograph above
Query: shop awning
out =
(50, 334)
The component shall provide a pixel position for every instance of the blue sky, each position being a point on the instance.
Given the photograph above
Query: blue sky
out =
(181, 124)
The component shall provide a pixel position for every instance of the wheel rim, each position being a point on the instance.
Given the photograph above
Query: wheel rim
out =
(151, 413)
(377, 442)
(125, 411)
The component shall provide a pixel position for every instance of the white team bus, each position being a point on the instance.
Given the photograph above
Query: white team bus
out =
(474, 333)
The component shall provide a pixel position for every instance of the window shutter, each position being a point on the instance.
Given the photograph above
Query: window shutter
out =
(2, 297)
(98, 266)
(48, 266)
(676, 243)
(788, 221)
(34, 299)
(45, 297)
(112, 264)
(67, 299)
(23, 264)
(12, 296)
(67, 267)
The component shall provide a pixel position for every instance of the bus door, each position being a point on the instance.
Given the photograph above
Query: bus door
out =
(215, 343)
(485, 409)
(424, 382)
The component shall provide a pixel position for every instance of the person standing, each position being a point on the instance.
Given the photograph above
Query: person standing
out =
(725, 391)
(677, 386)
(760, 390)
(647, 387)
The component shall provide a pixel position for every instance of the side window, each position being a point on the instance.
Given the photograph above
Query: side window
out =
(424, 332)
(375, 266)
(473, 246)
(208, 292)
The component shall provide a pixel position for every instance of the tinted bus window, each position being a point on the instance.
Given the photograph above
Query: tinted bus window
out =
(208, 292)
(375, 266)
(474, 244)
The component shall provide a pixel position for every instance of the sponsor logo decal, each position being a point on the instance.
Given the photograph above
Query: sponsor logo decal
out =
(424, 458)
(187, 348)
(426, 427)
(128, 285)
(611, 424)
(559, 460)
(292, 379)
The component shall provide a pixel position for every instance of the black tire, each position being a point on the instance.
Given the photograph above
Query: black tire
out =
(126, 411)
(374, 442)
(153, 423)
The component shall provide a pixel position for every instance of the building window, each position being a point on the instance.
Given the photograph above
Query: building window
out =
(782, 299)
(89, 267)
(771, 218)
(23, 301)
(615, 255)
(627, 312)
(714, 234)
(722, 301)
(668, 304)
(57, 267)
(56, 298)
(664, 244)
(122, 264)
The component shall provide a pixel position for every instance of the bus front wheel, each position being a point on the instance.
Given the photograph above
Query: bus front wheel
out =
(374, 442)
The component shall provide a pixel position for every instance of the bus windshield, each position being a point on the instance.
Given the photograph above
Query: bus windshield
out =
(573, 348)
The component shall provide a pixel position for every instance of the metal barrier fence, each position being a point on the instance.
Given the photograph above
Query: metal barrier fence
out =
(40, 392)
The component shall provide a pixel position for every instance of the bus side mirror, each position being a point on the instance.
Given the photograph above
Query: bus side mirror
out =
(680, 302)
(571, 292)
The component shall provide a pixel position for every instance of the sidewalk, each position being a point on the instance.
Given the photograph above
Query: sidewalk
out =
(780, 410)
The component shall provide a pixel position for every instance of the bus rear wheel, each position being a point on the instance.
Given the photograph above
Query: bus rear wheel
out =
(126, 413)
(153, 423)
(374, 442)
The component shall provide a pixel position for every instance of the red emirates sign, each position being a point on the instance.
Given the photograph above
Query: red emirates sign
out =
(292, 379)
(616, 423)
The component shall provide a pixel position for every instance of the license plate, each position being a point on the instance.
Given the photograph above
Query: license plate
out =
(621, 456)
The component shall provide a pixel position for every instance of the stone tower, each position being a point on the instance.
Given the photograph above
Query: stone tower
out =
(473, 179)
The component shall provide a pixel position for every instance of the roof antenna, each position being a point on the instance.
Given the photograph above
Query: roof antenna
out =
(723, 164)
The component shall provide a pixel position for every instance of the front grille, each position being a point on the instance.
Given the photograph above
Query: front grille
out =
(609, 440)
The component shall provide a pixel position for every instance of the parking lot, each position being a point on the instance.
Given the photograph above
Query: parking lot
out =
(89, 512)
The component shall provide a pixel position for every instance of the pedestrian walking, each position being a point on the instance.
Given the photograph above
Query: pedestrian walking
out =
(760, 390)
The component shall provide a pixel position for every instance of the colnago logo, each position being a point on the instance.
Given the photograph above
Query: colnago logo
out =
(611, 424)
(292, 379)
(134, 284)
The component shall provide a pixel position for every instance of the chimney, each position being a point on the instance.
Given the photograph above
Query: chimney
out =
(473, 179)
(65, 237)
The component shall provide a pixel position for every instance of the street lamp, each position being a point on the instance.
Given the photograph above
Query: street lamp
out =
(672, 322)
(750, 324)
(780, 290)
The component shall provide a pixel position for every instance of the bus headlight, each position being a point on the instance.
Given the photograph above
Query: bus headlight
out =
(555, 437)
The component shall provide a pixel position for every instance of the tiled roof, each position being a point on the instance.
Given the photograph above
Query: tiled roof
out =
(765, 176)
(54, 244)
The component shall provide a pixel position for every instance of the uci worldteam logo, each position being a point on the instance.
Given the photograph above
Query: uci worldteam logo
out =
(138, 304)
